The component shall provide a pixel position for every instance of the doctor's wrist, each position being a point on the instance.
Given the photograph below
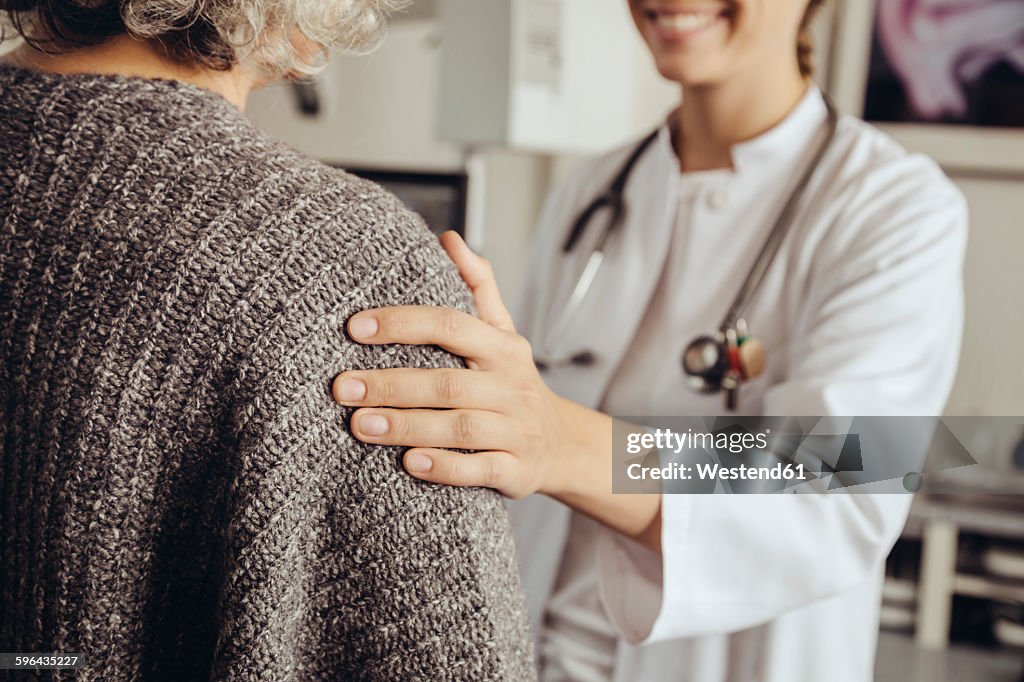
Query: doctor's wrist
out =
(580, 476)
(577, 469)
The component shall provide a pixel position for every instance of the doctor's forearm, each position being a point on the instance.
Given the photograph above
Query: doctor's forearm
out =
(583, 479)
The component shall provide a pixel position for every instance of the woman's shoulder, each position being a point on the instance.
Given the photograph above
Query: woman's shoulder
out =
(327, 217)
(257, 204)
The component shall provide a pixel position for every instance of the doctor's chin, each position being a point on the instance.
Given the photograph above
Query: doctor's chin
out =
(512, 340)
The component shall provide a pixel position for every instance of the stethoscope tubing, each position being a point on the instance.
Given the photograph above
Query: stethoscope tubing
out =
(579, 293)
(765, 258)
(613, 199)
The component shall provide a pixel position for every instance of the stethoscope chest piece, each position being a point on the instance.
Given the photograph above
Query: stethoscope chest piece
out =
(705, 364)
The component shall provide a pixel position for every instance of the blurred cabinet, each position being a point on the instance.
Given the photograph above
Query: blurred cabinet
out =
(971, 545)
(374, 111)
(555, 76)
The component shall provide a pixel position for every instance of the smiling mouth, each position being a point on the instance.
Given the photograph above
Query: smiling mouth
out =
(682, 22)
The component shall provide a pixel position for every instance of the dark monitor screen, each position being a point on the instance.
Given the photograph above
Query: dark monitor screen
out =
(440, 198)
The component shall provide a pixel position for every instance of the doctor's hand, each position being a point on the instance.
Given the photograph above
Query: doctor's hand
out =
(499, 406)
(527, 439)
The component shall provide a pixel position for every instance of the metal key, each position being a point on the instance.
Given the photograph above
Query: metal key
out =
(731, 388)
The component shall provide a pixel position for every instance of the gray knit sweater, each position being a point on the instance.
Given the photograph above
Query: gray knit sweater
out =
(179, 496)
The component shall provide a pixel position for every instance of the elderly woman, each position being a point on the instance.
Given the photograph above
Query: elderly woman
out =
(179, 497)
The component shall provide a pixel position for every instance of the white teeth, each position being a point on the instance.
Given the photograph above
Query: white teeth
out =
(685, 22)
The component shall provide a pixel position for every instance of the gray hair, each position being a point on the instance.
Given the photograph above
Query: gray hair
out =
(272, 37)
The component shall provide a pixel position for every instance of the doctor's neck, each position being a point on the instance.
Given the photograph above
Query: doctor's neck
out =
(713, 117)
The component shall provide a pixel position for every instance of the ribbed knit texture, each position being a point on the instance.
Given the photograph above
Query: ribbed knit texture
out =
(179, 496)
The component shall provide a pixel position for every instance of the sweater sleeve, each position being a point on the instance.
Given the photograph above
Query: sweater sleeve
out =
(337, 564)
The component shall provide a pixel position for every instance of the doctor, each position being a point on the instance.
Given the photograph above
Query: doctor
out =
(859, 313)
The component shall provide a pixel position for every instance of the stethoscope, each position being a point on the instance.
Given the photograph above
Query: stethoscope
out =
(712, 363)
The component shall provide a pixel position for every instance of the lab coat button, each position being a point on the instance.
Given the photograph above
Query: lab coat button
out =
(719, 198)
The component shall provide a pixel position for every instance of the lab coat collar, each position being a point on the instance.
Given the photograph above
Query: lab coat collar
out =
(785, 140)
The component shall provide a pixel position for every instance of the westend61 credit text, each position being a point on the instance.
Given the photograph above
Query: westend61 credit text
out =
(715, 471)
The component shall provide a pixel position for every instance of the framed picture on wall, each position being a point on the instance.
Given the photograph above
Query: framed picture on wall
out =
(944, 78)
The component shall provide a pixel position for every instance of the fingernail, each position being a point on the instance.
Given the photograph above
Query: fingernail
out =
(362, 327)
(418, 463)
(373, 425)
(352, 390)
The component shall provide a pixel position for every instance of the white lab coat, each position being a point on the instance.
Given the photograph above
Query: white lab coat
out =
(861, 314)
